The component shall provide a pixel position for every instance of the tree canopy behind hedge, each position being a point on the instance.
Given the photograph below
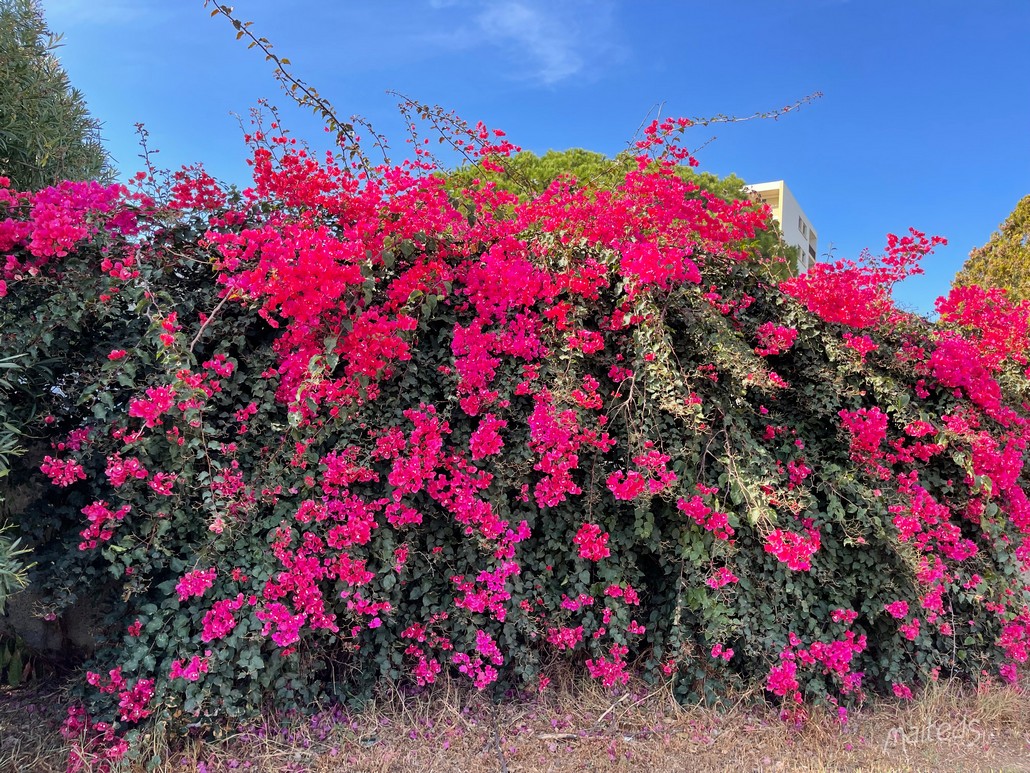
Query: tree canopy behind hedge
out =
(46, 131)
(527, 175)
(1004, 261)
(339, 428)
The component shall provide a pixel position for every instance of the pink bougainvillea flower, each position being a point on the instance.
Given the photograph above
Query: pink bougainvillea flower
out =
(592, 542)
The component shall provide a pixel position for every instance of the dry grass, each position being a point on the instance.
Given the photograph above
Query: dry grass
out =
(576, 728)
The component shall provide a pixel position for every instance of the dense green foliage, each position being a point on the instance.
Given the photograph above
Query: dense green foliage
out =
(46, 135)
(332, 431)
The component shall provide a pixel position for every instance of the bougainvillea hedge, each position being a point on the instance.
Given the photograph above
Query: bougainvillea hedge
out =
(339, 428)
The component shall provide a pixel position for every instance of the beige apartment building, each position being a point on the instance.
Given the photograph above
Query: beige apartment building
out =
(794, 224)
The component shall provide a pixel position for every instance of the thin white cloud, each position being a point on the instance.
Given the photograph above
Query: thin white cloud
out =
(550, 46)
(550, 42)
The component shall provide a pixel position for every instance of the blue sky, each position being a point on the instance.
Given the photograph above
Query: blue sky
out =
(924, 122)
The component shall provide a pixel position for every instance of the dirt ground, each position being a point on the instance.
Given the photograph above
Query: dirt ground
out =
(949, 728)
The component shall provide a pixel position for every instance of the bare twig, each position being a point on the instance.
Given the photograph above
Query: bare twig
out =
(304, 94)
(774, 114)
(609, 710)
(497, 741)
(207, 321)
